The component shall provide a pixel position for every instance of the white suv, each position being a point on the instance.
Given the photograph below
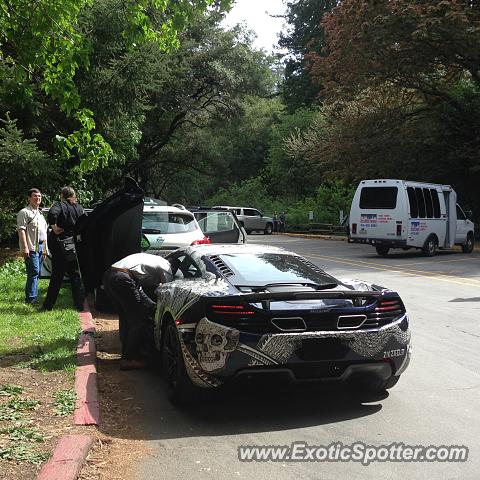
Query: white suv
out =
(251, 219)
(166, 228)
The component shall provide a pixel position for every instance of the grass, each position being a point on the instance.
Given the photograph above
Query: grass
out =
(29, 337)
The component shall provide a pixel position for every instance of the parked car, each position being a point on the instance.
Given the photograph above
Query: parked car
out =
(405, 214)
(166, 228)
(251, 219)
(236, 311)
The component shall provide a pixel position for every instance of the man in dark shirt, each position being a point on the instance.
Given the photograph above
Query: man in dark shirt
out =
(62, 218)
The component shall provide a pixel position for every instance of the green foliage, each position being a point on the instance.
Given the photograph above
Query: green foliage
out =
(9, 390)
(303, 34)
(43, 47)
(43, 340)
(23, 453)
(65, 402)
(22, 433)
(23, 165)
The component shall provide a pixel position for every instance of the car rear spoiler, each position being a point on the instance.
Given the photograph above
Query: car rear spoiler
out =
(286, 296)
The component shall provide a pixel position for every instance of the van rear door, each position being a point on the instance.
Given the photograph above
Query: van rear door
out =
(379, 208)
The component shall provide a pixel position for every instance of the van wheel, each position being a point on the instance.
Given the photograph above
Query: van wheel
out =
(382, 250)
(268, 229)
(430, 246)
(468, 246)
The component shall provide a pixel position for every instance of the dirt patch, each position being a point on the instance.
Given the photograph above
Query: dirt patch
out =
(33, 397)
(119, 442)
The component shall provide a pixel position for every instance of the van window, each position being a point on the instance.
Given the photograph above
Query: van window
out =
(460, 214)
(436, 203)
(422, 210)
(378, 197)
(412, 200)
(428, 202)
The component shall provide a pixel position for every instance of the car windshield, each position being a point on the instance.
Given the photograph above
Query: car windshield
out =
(168, 222)
(270, 268)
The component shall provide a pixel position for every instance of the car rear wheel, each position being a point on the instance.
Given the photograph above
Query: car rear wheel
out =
(468, 246)
(268, 229)
(180, 389)
(430, 246)
(382, 250)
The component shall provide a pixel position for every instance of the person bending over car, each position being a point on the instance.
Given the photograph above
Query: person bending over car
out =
(124, 282)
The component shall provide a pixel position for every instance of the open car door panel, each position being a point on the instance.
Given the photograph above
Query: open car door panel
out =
(109, 233)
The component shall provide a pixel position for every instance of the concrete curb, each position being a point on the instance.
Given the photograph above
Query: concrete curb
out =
(72, 450)
(87, 408)
(313, 235)
(68, 458)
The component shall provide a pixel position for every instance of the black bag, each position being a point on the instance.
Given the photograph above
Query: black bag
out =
(67, 245)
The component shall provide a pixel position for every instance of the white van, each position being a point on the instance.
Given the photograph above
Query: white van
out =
(403, 214)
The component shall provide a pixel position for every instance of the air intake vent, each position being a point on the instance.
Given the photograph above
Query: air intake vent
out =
(218, 262)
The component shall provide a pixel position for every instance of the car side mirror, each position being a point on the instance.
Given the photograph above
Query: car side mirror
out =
(469, 214)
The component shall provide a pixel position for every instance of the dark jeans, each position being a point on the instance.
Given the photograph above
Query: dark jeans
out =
(135, 312)
(33, 266)
(59, 267)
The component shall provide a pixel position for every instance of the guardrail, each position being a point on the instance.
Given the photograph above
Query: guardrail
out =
(318, 228)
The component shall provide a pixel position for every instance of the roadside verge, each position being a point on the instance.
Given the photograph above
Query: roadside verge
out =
(72, 450)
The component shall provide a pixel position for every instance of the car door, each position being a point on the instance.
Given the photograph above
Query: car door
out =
(252, 219)
(109, 233)
(462, 226)
(220, 226)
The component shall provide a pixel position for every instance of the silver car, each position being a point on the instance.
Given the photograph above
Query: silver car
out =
(251, 219)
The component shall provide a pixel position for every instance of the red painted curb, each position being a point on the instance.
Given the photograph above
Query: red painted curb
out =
(87, 408)
(67, 459)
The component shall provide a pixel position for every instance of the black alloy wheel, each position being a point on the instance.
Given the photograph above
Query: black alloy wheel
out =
(180, 389)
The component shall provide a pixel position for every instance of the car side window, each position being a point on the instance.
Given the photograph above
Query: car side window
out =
(460, 214)
(184, 267)
(250, 212)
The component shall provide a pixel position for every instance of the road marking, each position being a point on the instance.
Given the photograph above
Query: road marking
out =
(411, 272)
(439, 261)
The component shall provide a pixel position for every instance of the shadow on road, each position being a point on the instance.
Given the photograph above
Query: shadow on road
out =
(245, 410)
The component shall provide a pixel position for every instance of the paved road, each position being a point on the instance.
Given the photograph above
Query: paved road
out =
(436, 402)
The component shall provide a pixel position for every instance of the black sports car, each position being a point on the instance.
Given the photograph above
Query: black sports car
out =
(244, 310)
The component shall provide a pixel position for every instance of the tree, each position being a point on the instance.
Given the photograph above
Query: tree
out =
(166, 114)
(401, 86)
(304, 32)
(42, 47)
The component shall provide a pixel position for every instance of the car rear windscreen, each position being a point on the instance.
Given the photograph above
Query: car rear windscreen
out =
(376, 198)
(267, 268)
(168, 222)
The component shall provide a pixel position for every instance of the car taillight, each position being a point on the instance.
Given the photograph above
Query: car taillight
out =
(387, 306)
(354, 228)
(232, 310)
(203, 241)
(399, 229)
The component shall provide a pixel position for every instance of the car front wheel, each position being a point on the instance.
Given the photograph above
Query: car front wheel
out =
(268, 229)
(468, 246)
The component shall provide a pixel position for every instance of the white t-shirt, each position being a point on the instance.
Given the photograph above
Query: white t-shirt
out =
(147, 269)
